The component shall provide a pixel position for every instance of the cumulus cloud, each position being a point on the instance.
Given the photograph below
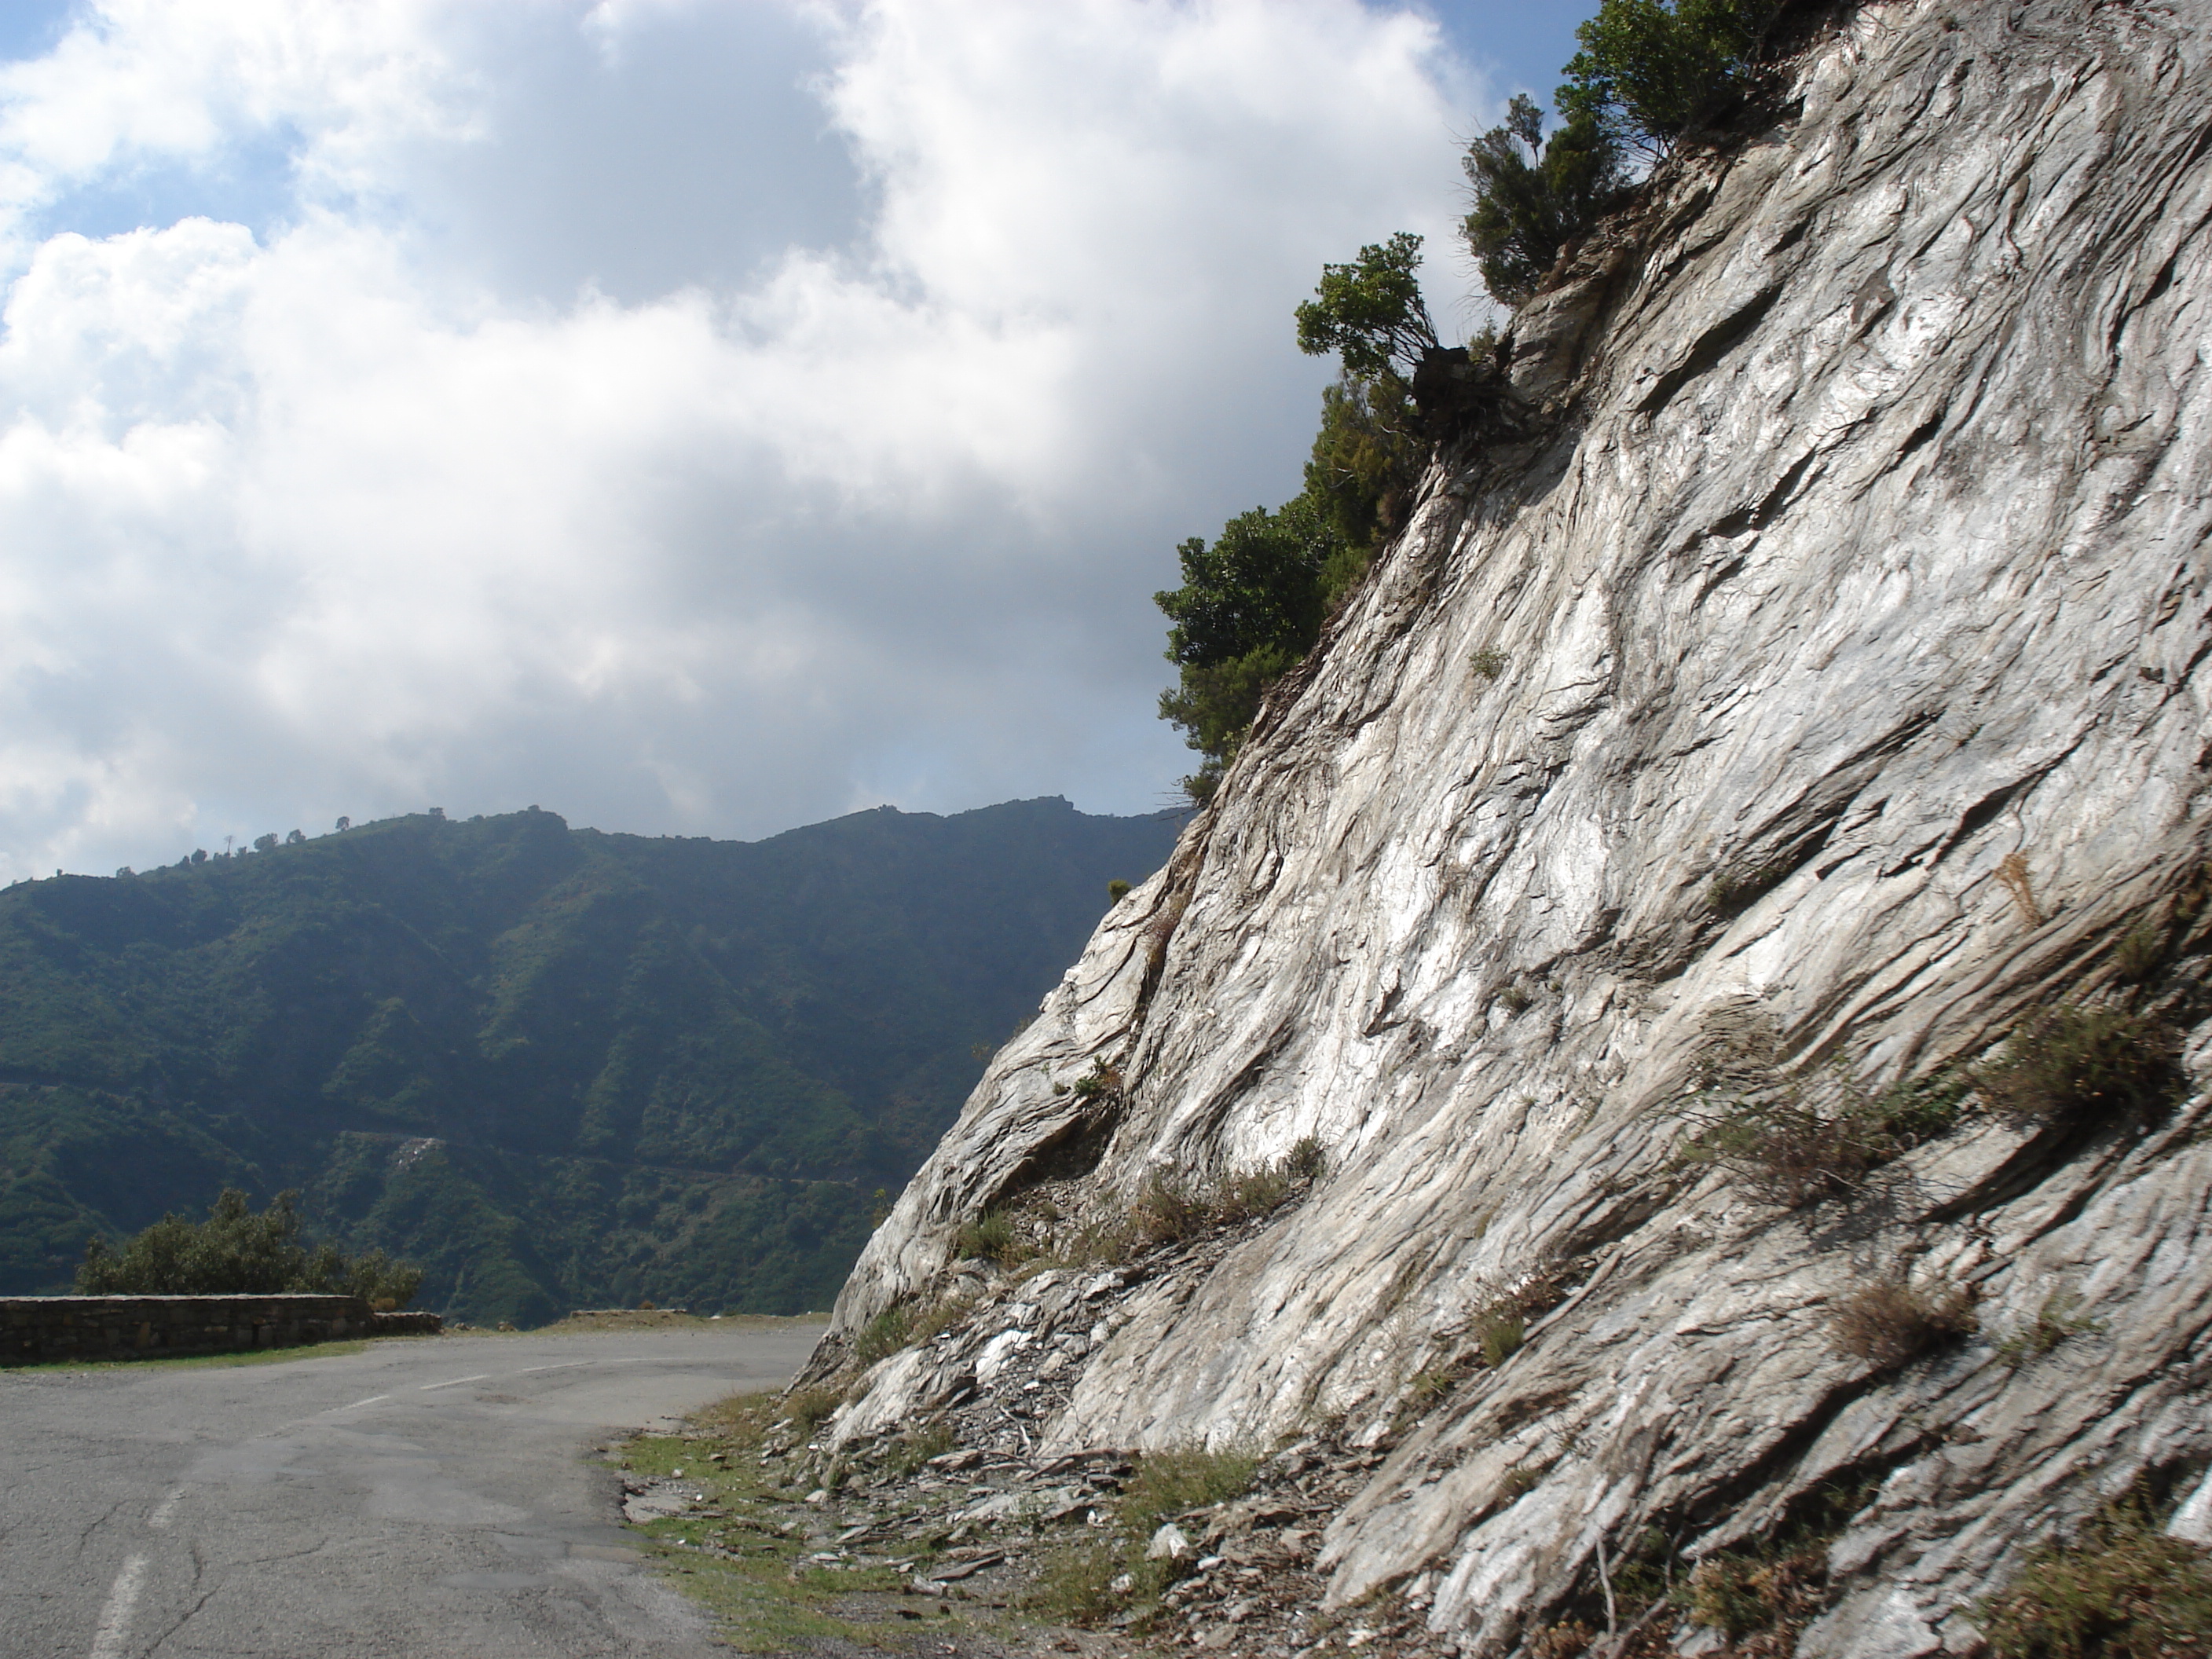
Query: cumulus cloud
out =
(692, 417)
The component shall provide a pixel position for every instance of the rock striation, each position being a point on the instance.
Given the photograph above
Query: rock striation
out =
(1817, 702)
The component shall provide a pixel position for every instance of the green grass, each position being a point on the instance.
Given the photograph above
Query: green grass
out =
(768, 1597)
(208, 1361)
(1076, 1582)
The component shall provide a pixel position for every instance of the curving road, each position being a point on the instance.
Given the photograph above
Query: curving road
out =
(430, 1497)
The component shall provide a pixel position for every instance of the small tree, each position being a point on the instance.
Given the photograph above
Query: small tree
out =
(264, 843)
(1370, 312)
(1364, 462)
(1651, 71)
(1250, 607)
(1534, 195)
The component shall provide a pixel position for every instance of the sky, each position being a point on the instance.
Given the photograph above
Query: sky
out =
(692, 416)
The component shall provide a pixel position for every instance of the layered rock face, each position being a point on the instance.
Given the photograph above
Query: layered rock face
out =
(1819, 699)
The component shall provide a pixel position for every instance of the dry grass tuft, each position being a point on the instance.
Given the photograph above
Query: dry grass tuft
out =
(1892, 1321)
(2013, 873)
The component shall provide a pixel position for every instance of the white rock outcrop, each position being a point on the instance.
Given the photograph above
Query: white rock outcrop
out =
(1822, 696)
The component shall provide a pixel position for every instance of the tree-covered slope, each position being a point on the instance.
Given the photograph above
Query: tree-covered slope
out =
(554, 1065)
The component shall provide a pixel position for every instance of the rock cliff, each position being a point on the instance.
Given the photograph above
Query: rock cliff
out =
(1808, 723)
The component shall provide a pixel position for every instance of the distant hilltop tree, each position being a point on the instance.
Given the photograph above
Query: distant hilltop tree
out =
(264, 843)
(235, 1252)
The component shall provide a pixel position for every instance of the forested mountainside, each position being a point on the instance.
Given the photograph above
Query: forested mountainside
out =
(1725, 905)
(555, 1067)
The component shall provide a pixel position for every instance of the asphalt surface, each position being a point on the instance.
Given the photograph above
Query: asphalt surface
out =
(428, 1496)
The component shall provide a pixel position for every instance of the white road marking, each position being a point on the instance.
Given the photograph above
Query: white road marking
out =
(456, 1382)
(165, 1508)
(565, 1365)
(356, 1405)
(115, 1618)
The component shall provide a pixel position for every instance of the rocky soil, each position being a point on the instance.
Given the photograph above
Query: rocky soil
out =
(1682, 896)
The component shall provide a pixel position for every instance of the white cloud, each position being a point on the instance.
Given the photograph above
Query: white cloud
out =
(388, 499)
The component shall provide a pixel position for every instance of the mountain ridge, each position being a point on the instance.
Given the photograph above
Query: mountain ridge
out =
(768, 1030)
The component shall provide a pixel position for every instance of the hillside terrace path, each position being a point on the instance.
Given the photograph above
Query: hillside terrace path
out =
(424, 1496)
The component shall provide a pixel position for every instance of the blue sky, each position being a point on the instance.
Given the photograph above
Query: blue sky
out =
(696, 416)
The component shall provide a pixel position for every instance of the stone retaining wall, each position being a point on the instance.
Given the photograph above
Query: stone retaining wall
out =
(38, 1329)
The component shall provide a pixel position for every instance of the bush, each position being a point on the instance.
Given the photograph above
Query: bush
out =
(1306, 1160)
(991, 1235)
(1501, 1334)
(1100, 1082)
(1168, 1210)
(1252, 604)
(2055, 1323)
(1530, 206)
(1786, 1151)
(1249, 609)
(1363, 467)
(1651, 71)
(2070, 1064)
(808, 1408)
(2121, 1589)
(1891, 1321)
(940, 1318)
(235, 1252)
(1741, 1596)
(916, 1449)
(2140, 954)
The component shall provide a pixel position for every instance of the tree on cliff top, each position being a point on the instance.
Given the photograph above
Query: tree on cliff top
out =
(1651, 71)
(1252, 603)
(1370, 312)
(1534, 195)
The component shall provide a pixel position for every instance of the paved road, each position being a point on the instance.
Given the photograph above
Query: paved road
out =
(422, 1498)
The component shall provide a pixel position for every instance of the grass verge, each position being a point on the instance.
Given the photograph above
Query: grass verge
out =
(761, 1560)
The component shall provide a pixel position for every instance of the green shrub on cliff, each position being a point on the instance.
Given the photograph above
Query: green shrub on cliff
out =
(2120, 1588)
(1532, 194)
(235, 1252)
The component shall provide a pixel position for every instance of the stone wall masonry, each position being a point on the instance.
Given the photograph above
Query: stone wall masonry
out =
(40, 1330)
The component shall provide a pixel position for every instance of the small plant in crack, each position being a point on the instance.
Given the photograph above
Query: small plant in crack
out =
(1736, 890)
(2071, 1065)
(1890, 1321)
(2057, 1321)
